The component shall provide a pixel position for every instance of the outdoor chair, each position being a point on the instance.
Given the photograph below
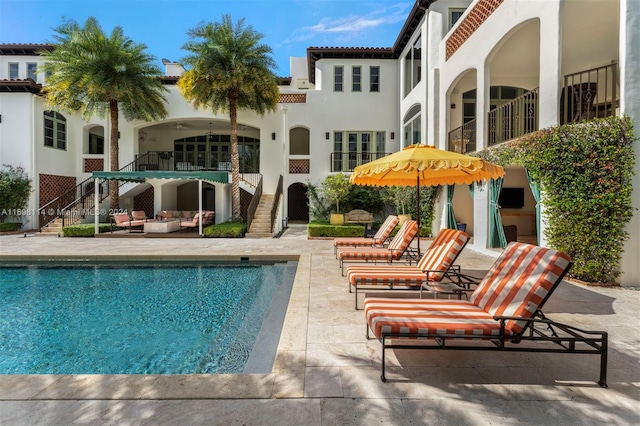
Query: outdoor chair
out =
(378, 240)
(502, 314)
(124, 221)
(190, 223)
(394, 252)
(434, 265)
(139, 215)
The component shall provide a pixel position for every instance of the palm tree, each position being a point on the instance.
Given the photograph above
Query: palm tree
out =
(228, 68)
(99, 74)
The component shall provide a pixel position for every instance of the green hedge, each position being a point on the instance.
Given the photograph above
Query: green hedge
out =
(84, 229)
(585, 173)
(226, 230)
(10, 226)
(322, 228)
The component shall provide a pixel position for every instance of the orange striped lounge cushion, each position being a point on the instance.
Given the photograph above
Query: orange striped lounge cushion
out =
(519, 281)
(395, 250)
(416, 317)
(378, 239)
(439, 257)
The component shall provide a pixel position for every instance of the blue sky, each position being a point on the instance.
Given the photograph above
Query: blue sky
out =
(288, 26)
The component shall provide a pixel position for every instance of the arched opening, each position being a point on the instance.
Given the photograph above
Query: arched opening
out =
(298, 205)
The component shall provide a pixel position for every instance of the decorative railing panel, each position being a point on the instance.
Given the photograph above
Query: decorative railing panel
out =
(589, 94)
(463, 139)
(513, 119)
(347, 161)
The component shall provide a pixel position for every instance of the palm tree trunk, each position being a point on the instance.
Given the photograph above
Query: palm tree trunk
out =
(235, 160)
(114, 187)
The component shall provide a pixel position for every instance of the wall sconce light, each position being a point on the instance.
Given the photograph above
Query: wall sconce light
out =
(273, 136)
(453, 106)
(393, 135)
(326, 135)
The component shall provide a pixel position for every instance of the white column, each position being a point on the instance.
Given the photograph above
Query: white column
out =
(96, 203)
(481, 203)
(550, 73)
(629, 94)
(200, 206)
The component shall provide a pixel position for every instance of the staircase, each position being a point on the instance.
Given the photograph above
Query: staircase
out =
(261, 224)
(53, 229)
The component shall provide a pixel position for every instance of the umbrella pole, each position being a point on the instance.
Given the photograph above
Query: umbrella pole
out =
(419, 223)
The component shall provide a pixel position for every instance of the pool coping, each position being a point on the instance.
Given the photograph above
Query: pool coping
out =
(286, 379)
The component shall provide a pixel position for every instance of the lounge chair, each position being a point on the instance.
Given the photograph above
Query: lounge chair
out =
(124, 221)
(139, 215)
(396, 249)
(432, 267)
(208, 219)
(378, 240)
(503, 313)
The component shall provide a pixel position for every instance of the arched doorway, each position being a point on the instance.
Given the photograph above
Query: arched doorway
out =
(298, 203)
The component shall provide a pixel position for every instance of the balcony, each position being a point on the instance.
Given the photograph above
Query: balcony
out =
(347, 161)
(585, 95)
(190, 161)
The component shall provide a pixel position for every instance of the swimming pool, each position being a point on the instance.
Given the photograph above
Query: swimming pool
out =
(142, 319)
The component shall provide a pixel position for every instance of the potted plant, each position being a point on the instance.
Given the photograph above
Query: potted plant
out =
(336, 189)
(401, 197)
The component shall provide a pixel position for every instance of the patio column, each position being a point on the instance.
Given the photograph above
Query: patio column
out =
(629, 94)
(96, 206)
(200, 207)
(481, 205)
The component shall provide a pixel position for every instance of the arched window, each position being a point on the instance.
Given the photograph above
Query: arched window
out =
(299, 141)
(412, 124)
(55, 130)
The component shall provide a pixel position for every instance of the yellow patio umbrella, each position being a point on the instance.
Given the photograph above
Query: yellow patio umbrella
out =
(424, 165)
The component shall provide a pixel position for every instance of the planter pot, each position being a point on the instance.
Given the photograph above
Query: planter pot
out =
(336, 219)
(403, 218)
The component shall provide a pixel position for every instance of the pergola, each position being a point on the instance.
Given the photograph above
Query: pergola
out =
(142, 176)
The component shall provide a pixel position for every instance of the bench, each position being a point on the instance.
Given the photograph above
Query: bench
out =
(358, 216)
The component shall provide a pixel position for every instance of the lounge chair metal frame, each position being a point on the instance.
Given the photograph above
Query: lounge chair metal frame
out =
(537, 329)
(408, 254)
(460, 283)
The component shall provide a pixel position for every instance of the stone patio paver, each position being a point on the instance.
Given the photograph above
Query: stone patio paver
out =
(327, 373)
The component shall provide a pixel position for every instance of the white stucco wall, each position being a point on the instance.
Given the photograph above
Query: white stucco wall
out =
(630, 105)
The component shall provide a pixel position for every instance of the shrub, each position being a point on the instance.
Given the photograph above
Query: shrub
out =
(226, 230)
(585, 171)
(10, 226)
(84, 229)
(322, 228)
(15, 187)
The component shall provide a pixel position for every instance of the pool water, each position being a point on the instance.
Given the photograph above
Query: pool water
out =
(162, 319)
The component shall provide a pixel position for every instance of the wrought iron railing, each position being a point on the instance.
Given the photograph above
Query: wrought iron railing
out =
(73, 205)
(463, 139)
(347, 161)
(514, 118)
(253, 205)
(589, 94)
(276, 202)
(190, 161)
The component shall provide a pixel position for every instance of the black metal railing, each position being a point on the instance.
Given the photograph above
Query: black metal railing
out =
(514, 118)
(191, 161)
(75, 204)
(253, 205)
(276, 202)
(463, 139)
(347, 161)
(589, 94)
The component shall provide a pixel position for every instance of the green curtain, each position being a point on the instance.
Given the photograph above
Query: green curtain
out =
(496, 232)
(471, 189)
(451, 217)
(535, 189)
